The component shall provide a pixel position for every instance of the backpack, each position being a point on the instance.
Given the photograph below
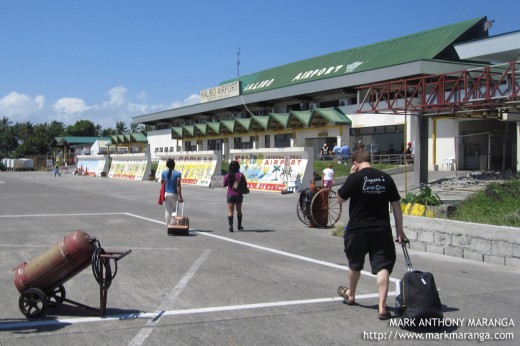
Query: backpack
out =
(240, 185)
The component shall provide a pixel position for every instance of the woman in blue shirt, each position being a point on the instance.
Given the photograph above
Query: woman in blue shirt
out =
(172, 190)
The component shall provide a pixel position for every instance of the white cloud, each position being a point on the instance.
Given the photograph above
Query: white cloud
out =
(117, 96)
(20, 107)
(190, 100)
(70, 105)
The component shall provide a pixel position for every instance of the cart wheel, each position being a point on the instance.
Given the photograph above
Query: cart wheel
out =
(325, 210)
(302, 213)
(56, 296)
(32, 302)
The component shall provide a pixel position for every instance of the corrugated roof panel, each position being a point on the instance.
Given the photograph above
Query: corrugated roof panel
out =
(215, 127)
(245, 123)
(305, 117)
(262, 120)
(333, 116)
(281, 118)
(424, 45)
(201, 128)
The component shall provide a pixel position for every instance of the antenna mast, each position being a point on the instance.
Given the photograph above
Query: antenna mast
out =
(238, 62)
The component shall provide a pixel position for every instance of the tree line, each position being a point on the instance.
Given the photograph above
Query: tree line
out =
(25, 139)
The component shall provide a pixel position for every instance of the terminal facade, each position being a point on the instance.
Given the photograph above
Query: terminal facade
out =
(452, 91)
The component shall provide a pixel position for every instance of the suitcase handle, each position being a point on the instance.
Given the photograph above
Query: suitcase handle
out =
(406, 255)
(177, 209)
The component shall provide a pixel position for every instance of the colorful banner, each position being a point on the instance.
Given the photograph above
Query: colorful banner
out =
(275, 169)
(196, 168)
(130, 166)
(92, 165)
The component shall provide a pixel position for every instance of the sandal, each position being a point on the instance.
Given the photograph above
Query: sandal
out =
(385, 316)
(344, 292)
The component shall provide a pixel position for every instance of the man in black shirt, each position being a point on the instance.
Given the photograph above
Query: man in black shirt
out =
(369, 230)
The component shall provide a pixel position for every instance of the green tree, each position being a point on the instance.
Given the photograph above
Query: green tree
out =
(84, 128)
(121, 128)
(108, 132)
(23, 131)
(5, 123)
(134, 127)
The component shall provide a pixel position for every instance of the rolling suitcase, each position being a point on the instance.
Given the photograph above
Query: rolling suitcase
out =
(179, 224)
(417, 298)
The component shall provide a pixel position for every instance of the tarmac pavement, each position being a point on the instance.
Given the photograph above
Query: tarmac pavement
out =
(272, 284)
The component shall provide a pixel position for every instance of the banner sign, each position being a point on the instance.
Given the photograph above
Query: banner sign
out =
(130, 166)
(92, 165)
(275, 169)
(196, 167)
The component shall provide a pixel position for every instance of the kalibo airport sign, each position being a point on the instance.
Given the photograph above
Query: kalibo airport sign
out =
(220, 92)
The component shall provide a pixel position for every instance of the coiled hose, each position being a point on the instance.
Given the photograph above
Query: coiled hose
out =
(105, 277)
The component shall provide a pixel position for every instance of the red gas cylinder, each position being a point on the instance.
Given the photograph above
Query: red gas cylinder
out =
(58, 264)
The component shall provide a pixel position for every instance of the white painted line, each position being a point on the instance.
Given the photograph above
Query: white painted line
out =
(53, 215)
(143, 334)
(152, 315)
(263, 248)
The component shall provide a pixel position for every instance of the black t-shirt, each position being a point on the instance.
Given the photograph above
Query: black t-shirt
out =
(370, 190)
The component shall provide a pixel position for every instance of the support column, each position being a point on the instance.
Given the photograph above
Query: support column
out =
(517, 148)
(420, 128)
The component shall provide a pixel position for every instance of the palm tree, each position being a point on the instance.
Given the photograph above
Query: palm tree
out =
(134, 127)
(5, 123)
(121, 127)
(23, 131)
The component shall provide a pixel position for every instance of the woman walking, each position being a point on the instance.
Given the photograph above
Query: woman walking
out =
(234, 198)
(172, 190)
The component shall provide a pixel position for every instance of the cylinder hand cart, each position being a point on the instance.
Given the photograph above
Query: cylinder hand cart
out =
(318, 207)
(40, 282)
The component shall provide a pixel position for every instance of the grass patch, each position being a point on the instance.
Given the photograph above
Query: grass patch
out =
(498, 204)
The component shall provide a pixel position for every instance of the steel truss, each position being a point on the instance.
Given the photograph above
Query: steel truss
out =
(485, 91)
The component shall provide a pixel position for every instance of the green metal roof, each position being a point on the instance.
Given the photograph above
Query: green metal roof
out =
(294, 119)
(425, 45)
(138, 137)
(246, 123)
(305, 117)
(229, 125)
(75, 140)
(215, 127)
(262, 120)
(177, 132)
(281, 118)
(201, 128)
(333, 116)
(189, 129)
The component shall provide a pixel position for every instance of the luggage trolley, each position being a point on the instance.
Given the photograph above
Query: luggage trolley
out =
(40, 282)
(318, 207)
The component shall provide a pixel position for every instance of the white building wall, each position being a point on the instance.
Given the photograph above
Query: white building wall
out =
(446, 131)
(161, 143)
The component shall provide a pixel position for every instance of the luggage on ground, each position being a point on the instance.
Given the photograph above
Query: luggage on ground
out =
(417, 299)
(179, 224)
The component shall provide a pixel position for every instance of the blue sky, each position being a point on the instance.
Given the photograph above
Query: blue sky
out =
(107, 61)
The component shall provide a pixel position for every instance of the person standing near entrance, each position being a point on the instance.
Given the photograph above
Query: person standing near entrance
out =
(324, 152)
(327, 177)
(172, 190)
(369, 230)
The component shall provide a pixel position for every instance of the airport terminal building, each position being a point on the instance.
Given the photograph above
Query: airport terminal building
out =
(452, 91)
